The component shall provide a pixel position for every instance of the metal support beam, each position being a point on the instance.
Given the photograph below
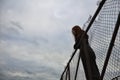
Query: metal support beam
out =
(66, 74)
(77, 67)
(69, 73)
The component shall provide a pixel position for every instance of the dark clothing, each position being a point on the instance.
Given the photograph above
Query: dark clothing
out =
(88, 59)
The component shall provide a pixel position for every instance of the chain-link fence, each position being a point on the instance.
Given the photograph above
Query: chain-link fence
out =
(116, 78)
(103, 29)
(101, 33)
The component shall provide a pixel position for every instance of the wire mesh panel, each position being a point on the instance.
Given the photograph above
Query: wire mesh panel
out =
(81, 74)
(73, 66)
(70, 70)
(113, 68)
(101, 32)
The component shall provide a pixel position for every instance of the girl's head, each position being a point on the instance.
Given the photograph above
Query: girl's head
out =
(76, 31)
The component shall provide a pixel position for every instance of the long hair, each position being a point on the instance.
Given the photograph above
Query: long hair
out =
(77, 32)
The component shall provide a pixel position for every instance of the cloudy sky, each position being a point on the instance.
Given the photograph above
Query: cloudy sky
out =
(35, 36)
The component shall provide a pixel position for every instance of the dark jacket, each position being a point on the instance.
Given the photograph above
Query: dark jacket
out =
(88, 59)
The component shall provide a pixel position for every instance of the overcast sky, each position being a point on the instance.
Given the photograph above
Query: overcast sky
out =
(35, 36)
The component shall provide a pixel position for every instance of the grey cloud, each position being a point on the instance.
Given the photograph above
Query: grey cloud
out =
(17, 25)
(21, 65)
(35, 37)
(12, 4)
(8, 31)
(13, 34)
(28, 70)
